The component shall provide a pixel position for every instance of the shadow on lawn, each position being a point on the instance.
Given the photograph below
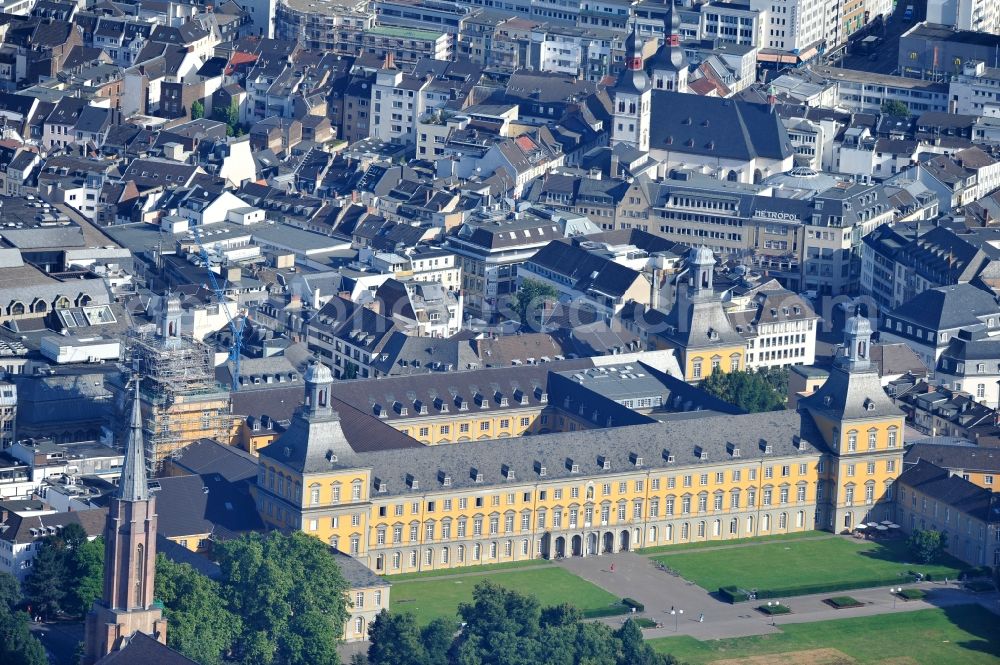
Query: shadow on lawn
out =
(978, 621)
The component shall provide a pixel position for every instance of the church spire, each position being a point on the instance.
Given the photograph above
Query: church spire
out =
(126, 604)
(134, 485)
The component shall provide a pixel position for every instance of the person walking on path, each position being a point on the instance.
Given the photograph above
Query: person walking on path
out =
(612, 567)
(701, 618)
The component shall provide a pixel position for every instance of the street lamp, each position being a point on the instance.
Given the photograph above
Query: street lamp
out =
(676, 614)
(771, 606)
(894, 590)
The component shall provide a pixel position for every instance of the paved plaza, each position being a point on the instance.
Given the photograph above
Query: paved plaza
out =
(636, 577)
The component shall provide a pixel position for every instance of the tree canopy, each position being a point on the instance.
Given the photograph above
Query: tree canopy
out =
(895, 107)
(503, 627)
(289, 595)
(66, 575)
(530, 300)
(927, 545)
(200, 625)
(752, 391)
(17, 645)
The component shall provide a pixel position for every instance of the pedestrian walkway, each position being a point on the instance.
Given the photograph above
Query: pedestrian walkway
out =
(635, 576)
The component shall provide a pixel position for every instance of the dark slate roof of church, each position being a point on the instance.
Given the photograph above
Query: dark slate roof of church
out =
(141, 648)
(716, 127)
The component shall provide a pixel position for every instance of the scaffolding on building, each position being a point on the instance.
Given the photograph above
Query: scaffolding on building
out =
(182, 401)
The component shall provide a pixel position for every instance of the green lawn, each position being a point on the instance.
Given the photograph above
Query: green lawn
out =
(784, 566)
(708, 544)
(964, 635)
(444, 572)
(439, 596)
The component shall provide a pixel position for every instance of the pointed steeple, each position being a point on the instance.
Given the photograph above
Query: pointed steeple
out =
(134, 485)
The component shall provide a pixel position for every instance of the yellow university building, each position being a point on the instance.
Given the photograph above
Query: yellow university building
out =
(686, 479)
(697, 327)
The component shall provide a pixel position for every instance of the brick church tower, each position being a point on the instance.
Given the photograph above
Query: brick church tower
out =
(126, 605)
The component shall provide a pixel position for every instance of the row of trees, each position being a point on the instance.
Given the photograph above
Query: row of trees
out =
(752, 391)
(17, 645)
(67, 574)
(280, 600)
(503, 627)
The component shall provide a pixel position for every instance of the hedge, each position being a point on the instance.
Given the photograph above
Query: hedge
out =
(609, 611)
(977, 586)
(633, 604)
(843, 602)
(973, 573)
(733, 595)
(912, 594)
(775, 609)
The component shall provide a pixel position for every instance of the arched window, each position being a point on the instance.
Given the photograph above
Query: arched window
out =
(140, 571)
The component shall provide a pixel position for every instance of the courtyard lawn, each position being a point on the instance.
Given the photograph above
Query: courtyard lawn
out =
(735, 542)
(783, 567)
(429, 599)
(964, 635)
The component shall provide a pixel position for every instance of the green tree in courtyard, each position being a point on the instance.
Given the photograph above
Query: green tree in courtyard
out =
(395, 640)
(503, 627)
(44, 588)
(752, 391)
(289, 594)
(895, 107)
(530, 300)
(17, 645)
(84, 570)
(927, 545)
(200, 625)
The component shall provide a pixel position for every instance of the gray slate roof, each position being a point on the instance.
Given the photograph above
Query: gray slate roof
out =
(948, 307)
(679, 440)
(956, 456)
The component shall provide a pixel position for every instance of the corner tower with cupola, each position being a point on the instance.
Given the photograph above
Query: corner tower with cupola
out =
(863, 432)
(632, 99)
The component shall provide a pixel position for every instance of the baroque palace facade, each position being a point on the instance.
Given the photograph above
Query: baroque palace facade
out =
(690, 478)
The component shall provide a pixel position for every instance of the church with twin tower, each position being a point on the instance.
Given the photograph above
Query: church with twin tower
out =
(632, 95)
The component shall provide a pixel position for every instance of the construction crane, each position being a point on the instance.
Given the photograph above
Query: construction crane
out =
(235, 327)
